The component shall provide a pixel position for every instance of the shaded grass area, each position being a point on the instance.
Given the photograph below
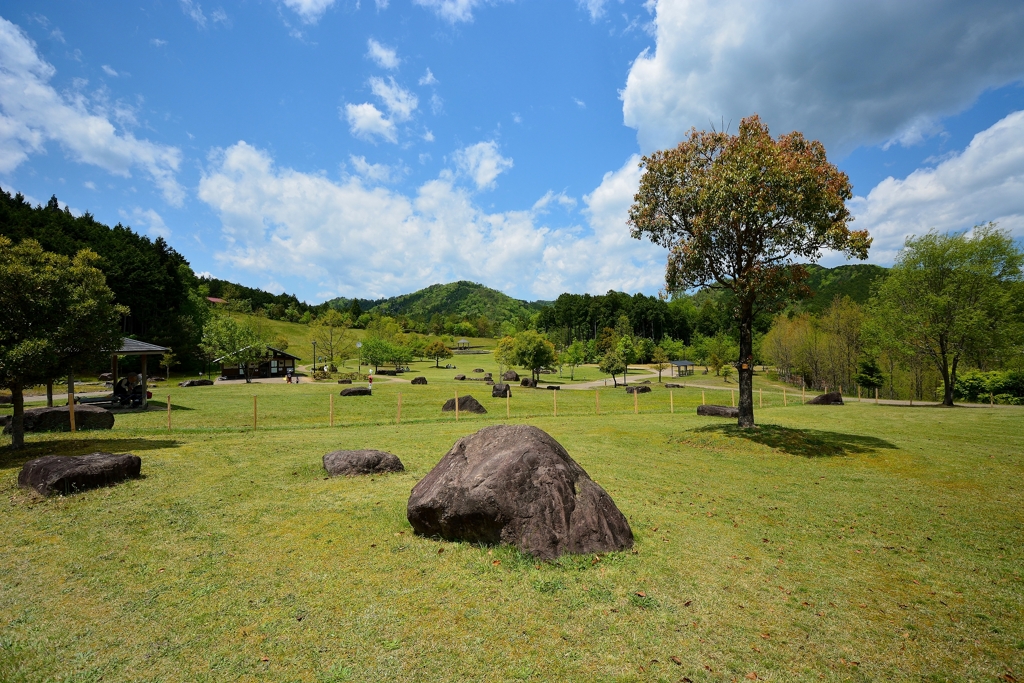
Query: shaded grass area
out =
(235, 558)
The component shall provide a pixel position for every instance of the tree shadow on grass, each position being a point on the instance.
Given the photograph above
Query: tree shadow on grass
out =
(808, 443)
(11, 458)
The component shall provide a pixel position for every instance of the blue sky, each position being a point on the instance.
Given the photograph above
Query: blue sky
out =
(372, 147)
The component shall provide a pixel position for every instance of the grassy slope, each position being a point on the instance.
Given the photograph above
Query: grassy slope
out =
(890, 537)
(460, 298)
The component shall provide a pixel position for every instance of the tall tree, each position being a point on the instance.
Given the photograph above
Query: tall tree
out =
(532, 351)
(330, 332)
(231, 342)
(437, 350)
(947, 295)
(57, 314)
(738, 212)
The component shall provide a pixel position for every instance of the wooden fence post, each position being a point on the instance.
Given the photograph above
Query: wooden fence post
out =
(991, 400)
(168, 412)
(732, 397)
(876, 395)
(636, 403)
(858, 393)
(803, 394)
(671, 403)
(702, 401)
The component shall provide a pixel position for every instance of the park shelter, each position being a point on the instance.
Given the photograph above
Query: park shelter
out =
(134, 347)
(275, 363)
(682, 368)
(462, 344)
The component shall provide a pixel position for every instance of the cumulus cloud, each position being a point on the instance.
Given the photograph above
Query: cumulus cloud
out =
(451, 10)
(281, 222)
(149, 218)
(984, 182)
(33, 113)
(482, 162)
(381, 173)
(400, 102)
(848, 74)
(309, 11)
(384, 56)
(194, 11)
(367, 122)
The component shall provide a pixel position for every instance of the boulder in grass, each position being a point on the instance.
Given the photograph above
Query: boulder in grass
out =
(4, 399)
(478, 370)
(553, 387)
(196, 383)
(641, 389)
(673, 385)
(516, 485)
(56, 419)
(357, 391)
(528, 382)
(501, 391)
(69, 474)
(510, 376)
(646, 381)
(832, 398)
(419, 380)
(718, 411)
(460, 377)
(106, 377)
(354, 463)
(467, 404)
(344, 381)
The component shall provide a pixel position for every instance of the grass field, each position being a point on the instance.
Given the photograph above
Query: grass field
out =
(854, 543)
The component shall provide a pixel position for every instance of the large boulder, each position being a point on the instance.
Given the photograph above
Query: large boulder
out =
(356, 391)
(832, 398)
(718, 411)
(515, 484)
(467, 404)
(528, 382)
(419, 380)
(69, 474)
(352, 463)
(196, 383)
(642, 389)
(500, 391)
(56, 419)
(460, 377)
(510, 376)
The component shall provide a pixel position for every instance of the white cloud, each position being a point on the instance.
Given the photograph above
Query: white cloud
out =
(428, 78)
(983, 183)
(844, 73)
(550, 197)
(451, 10)
(400, 102)
(482, 163)
(381, 4)
(309, 11)
(90, 185)
(57, 35)
(579, 103)
(153, 222)
(109, 71)
(381, 173)
(428, 136)
(594, 7)
(32, 114)
(385, 57)
(157, 42)
(281, 222)
(219, 16)
(194, 11)
(366, 121)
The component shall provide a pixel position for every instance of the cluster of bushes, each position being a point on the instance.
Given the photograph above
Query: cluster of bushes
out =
(1001, 387)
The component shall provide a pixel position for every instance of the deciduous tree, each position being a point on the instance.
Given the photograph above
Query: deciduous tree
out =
(740, 212)
(437, 350)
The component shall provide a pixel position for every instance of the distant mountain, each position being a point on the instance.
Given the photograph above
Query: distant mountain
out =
(464, 299)
(854, 281)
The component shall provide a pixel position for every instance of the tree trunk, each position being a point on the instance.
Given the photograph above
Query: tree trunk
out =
(624, 383)
(949, 380)
(746, 368)
(18, 418)
(49, 393)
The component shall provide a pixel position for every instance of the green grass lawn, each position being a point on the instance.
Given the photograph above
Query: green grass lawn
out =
(854, 543)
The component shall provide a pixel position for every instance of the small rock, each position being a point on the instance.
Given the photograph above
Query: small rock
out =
(555, 387)
(419, 380)
(357, 391)
(467, 404)
(344, 381)
(718, 411)
(528, 382)
(672, 385)
(478, 370)
(642, 389)
(510, 376)
(352, 463)
(460, 377)
(500, 391)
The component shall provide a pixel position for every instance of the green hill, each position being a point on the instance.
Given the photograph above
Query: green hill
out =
(853, 281)
(464, 299)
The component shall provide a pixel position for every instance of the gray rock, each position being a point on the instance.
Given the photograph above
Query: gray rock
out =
(56, 419)
(528, 382)
(196, 383)
(357, 391)
(718, 411)
(467, 404)
(554, 387)
(344, 381)
(460, 377)
(832, 398)
(500, 391)
(352, 463)
(419, 380)
(514, 484)
(642, 389)
(106, 377)
(70, 474)
(672, 385)
(510, 376)
(478, 370)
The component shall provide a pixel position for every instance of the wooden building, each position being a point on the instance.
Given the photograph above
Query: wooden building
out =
(275, 363)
